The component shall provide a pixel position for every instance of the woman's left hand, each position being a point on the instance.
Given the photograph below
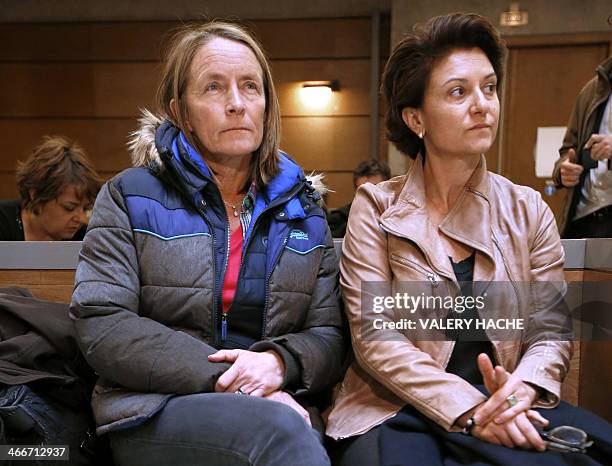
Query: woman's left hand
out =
(502, 385)
(251, 373)
(286, 399)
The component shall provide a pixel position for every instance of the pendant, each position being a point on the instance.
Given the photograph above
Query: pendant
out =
(235, 211)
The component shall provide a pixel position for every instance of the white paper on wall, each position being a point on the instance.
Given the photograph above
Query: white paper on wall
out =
(546, 151)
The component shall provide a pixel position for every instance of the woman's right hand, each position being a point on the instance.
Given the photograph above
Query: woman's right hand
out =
(501, 384)
(518, 432)
(254, 373)
(286, 399)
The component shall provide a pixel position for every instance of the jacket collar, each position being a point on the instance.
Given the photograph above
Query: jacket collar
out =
(604, 84)
(186, 162)
(469, 221)
(605, 69)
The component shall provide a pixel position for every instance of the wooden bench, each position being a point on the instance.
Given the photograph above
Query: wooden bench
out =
(47, 270)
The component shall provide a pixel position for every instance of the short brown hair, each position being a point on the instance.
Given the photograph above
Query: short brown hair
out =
(372, 167)
(53, 165)
(182, 49)
(409, 67)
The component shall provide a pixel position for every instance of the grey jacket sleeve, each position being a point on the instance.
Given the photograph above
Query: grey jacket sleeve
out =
(135, 352)
(314, 357)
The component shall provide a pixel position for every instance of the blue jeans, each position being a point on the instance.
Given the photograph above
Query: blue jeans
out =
(219, 429)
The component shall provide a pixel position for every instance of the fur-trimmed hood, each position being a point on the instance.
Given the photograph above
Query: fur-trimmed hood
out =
(142, 141)
(144, 152)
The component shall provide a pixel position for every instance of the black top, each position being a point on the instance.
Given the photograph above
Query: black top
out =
(337, 220)
(11, 228)
(469, 344)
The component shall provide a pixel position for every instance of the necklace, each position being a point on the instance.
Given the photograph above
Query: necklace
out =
(234, 208)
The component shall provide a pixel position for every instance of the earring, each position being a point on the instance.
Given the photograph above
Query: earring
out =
(421, 134)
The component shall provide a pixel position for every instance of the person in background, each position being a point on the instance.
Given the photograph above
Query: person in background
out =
(368, 171)
(206, 293)
(57, 187)
(584, 166)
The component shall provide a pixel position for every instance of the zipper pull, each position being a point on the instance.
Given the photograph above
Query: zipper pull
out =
(224, 326)
(433, 279)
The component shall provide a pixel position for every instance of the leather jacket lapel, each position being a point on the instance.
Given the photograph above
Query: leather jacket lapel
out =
(468, 222)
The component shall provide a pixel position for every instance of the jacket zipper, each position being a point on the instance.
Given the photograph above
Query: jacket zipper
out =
(224, 315)
(200, 209)
(223, 312)
(413, 265)
(267, 285)
(433, 277)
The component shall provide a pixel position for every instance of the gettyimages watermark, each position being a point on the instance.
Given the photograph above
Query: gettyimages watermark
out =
(479, 311)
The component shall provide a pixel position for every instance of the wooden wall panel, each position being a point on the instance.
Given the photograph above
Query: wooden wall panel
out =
(297, 39)
(351, 99)
(88, 81)
(325, 143)
(596, 377)
(596, 365)
(341, 182)
(104, 139)
(94, 90)
(8, 190)
(570, 390)
(103, 90)
(83, 42)
(142, 41)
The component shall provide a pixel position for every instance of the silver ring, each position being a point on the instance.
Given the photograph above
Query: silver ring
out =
(512, 400)
(241, 392)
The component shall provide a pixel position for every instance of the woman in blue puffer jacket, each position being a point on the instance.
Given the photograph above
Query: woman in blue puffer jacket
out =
(206, 292)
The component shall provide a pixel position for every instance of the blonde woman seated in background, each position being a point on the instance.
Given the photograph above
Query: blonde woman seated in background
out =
(448, 221)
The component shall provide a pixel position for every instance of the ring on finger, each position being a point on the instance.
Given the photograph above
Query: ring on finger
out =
(512, 400)
(240, 391)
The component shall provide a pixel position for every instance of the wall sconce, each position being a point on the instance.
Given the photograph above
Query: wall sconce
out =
(317, 94)
(514, 16)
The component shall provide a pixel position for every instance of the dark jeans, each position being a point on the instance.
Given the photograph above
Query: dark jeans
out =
(31, 416)
(218, 429)
(361, 450)
(410, 439)
(595, 225)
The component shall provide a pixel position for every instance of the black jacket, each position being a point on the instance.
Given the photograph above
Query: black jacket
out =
(45, 384)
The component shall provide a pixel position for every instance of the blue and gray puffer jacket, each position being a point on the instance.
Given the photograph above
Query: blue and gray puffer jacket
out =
(147, 298)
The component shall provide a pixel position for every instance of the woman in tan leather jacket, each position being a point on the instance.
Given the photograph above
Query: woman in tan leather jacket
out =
(447, 221)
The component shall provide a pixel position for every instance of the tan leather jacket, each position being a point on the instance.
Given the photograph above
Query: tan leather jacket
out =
(390, 239)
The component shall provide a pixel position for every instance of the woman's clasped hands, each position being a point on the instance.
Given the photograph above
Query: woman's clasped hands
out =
(506, 418)
(255, 374)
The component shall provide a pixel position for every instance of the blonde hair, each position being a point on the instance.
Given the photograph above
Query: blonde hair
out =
(182, 49)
